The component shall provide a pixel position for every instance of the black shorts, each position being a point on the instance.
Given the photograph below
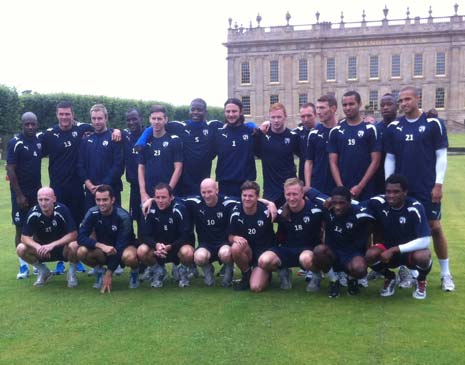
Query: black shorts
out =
(213, 249)
(55, 255)
(257, 252)
(19, 216)
(432, 210)
(289, 256)
(135, 203)
(342, 258)
(399, 259)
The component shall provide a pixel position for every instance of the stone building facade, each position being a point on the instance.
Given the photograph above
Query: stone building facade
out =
(296, 64)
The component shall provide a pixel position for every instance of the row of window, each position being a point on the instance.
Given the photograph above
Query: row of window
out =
(352, 68)
(373, 99)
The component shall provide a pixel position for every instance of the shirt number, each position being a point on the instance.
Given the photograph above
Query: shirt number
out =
(409, 137)
(351, 141)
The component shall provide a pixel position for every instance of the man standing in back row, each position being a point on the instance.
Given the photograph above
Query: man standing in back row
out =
(416, 147)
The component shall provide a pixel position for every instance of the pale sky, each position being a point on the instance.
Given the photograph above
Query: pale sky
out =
(168, 51)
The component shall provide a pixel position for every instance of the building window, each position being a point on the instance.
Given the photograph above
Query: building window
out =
(440, 64)
(373, 100)
(374, 67)
(245, 73)
(330, 69)
(420, 98)
(274, 99)
(395, 65)
(439, 100)
(418, 65)
(274, 71)
(352, 68)
(246, 105)
(303, 99)
(303, 69)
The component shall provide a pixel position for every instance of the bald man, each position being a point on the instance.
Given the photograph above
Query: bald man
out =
(48, 230)
(23, 165)
(210, 213)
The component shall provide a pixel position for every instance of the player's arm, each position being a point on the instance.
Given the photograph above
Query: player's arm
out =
(333, 165)
(389, 165)
(141, 177)
(308, 168)
(369, 173)
(117, 166)
(20, 198)
(144, 137)
(413, 245)
(271, 207)
(176, 174)
(241, 241)
(29, 242)
(440, 167)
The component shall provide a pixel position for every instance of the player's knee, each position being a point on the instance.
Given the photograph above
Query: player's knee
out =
(201, 257)
(224, 254)
(422, 257)
(129, 257)
(256, 287)
(267, 261)
(186, 253)
(236, 250)
(358, 267)
(82, 253)
(21, 250)
(306, 259)
(372, 255)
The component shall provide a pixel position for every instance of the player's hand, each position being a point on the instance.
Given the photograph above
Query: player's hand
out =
(107, 281)
(44, 251)
(240, 241)
(144, 197)
(356, 190)
(265, 126)
(160, 250)
(22, 202)
(146, 206)
(436, 193)
(108, 250)
(273, 210)
(386, 256)
(116, 135)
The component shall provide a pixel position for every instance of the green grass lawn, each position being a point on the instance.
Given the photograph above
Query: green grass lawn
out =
(198, 325)
(457, 139)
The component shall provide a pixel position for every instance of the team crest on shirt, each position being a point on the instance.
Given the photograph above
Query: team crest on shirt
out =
(165, 144)
(349, 225)
(360, 133)
(54, 223)
(421, 129)
(114, 228)
(39, 146)
(170, 220)
(105, 143)
(17, 217)
(74, 134)
(402, 220)
(245, 137)
(306, 219)
(260, 223)
(35, 154)
(205, 132)
(219, 215)
(287, 140)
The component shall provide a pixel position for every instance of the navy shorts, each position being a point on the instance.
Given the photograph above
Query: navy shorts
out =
(72, 196)
(342, 258)
(213, 249)
(19, 216)
(257, 252)
(432, 210)
(399, 259)
(135, 203)
(289, 256)
(55, 255)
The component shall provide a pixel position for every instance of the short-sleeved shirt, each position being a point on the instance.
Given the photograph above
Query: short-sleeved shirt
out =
(399, 225)
(159, 156)
(234, 146)
(211, 223)
(257, 228)
(47, 229)
(414, 146)
(302, 229)
(26, 153)
(354, 145)
(62, 148)
(277, 150)
(317, 152)
(131, 159)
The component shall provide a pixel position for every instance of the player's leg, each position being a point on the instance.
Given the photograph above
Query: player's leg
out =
(186, 256)
(129, 258)
(268, 262)
(373, 260)
(94, 258)
(440, 248)
(306, 259)
(420, 260)
(356, 269)
(203, 258)
(259, 279)
(70, 254)
(242, 257)
(30, 255)
(225, 257)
